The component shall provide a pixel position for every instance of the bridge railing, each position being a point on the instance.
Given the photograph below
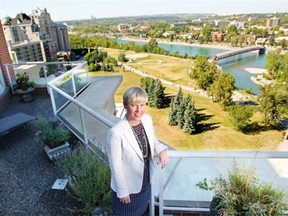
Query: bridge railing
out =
(236, 52)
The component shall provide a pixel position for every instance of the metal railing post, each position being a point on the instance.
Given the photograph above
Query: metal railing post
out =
(51, 93)
(73, 82)
(161, 191)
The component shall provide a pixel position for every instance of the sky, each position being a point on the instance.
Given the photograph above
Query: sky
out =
(61, 10)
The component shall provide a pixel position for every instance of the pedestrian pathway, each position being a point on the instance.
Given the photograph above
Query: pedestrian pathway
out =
(237, 96)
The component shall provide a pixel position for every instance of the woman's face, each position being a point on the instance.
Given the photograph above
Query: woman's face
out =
(135, 111)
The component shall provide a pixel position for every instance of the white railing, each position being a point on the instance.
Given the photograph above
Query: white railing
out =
(39, 72)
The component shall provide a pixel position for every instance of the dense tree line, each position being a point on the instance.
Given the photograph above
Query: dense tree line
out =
(77, 42)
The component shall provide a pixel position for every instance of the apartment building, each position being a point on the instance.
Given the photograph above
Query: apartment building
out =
(217, 36)
(273, 22)
(122, 27)
(27, 51)
(35, 37)
(60, 36)
(221, 23)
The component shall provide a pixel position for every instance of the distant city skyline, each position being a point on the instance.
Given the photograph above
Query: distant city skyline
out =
(62, 10)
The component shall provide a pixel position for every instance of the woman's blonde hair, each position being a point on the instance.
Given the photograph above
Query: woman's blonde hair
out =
(135, 95)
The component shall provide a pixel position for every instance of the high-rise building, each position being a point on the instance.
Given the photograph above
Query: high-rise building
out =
(273, 22)
(35, 37)
(42, 18)
(23, 39)
(60, 36)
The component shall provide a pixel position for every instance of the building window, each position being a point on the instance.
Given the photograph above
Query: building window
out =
(15, 34)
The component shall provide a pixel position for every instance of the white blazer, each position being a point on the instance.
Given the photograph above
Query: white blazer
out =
(125, 157)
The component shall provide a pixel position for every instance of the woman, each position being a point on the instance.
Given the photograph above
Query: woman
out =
(131, 145)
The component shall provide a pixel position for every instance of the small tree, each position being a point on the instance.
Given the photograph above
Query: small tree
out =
(122, 57)
(151, 95)
(240, 117)
(190, 117)
(174, 107)
(159, 95)
(181, 111)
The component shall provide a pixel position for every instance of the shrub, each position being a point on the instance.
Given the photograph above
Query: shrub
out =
(89, 177)
(50, 132)
(23, 82)
(241, 193)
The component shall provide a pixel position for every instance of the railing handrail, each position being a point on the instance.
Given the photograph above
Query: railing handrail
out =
(228, 154)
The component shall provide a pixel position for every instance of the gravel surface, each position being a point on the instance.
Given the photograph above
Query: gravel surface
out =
(26, 174)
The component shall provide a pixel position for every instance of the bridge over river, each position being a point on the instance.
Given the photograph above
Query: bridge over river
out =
(227, 54)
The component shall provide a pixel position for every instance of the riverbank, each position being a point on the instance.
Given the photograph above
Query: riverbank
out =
(258, 77)
(163, 41)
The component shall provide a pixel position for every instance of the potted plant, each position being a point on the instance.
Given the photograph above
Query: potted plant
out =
(24, 86)
(54, 136)
(242, 193)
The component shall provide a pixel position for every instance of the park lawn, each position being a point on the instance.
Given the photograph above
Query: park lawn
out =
(166, 67)
(219, 136)
(222, 137)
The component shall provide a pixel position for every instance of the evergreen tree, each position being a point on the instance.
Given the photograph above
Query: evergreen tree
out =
(151, 95)
(181, 111)
(190, 116)
(122, 57)
(173, 113)
(159, 95)
(174, 106)
(145, 82)
(179, 97)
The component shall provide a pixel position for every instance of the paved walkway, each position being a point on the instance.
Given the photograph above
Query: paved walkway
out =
(26, 174)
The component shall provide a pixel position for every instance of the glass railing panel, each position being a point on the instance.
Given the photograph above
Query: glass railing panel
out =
(96, 132)
(81, 77)
(65, 84)
(59, 101)
(72, 116)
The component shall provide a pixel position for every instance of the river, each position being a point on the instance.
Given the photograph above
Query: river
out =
(235, 65)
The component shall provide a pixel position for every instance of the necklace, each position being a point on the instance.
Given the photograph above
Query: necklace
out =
(141, 137)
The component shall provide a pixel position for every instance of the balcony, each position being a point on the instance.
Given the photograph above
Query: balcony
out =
(86, 105)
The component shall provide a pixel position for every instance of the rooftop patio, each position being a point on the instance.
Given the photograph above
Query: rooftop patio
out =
(27, 175)
(87, 108)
